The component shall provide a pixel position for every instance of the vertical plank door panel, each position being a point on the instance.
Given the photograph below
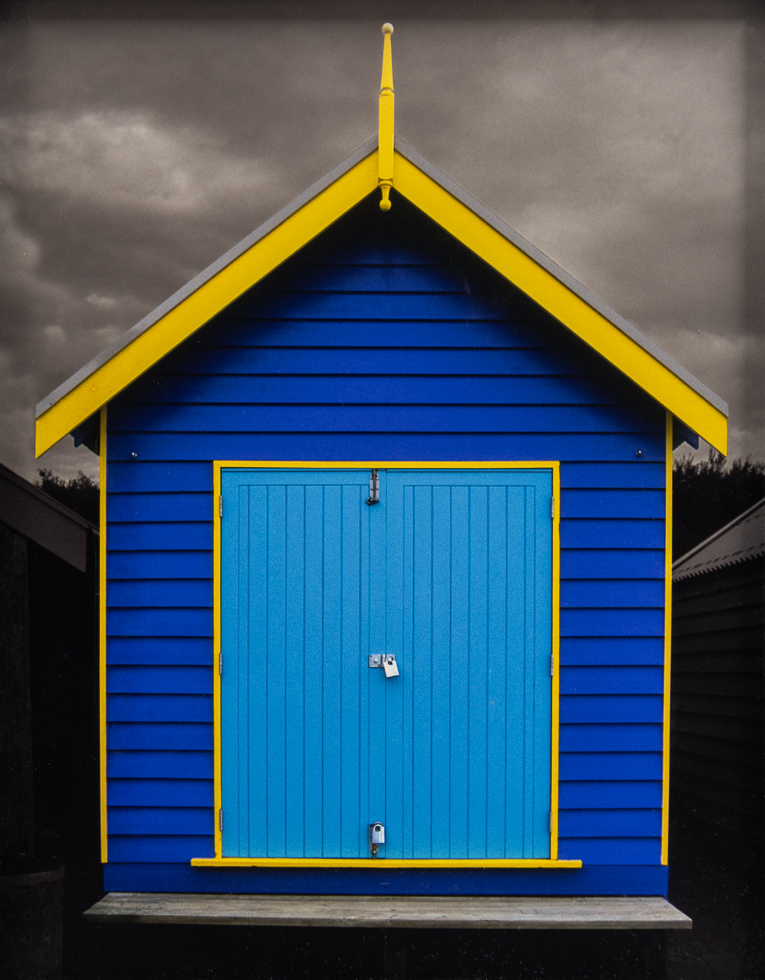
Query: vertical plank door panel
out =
(314, 674)
(295, 672)
(451, 572)
(473, 595)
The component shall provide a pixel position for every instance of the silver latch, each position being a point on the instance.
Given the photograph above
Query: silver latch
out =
(374, 488)
(385, 660)
(376, 837)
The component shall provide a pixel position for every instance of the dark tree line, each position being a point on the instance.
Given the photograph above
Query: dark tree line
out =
(710, 493)
(80, 493)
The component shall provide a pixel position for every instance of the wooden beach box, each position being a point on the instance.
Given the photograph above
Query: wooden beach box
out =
(385, 543)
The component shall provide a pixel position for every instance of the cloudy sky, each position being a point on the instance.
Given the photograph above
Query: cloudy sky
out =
(134, 150)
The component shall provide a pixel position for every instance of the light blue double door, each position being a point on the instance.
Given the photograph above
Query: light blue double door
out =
(450, 572)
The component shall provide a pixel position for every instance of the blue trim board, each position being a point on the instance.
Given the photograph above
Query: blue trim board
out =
(598, 880)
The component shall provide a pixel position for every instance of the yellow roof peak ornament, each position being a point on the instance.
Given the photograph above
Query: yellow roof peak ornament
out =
(385, 139)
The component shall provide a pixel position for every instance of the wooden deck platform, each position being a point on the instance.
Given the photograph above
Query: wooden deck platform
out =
(386, 912)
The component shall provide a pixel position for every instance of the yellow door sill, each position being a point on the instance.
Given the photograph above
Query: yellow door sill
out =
(380, 863)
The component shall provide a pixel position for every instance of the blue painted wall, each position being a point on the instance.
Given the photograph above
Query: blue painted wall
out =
(384, 339)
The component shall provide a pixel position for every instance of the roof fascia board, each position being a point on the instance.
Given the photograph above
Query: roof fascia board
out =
(561, 295)
(206, 295)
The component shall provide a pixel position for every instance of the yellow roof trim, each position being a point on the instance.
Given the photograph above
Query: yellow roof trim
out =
(562, 302)
(204, 303)
(98, 383)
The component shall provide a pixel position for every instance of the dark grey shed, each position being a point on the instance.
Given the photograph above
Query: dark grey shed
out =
(717, 676)
(48, 722)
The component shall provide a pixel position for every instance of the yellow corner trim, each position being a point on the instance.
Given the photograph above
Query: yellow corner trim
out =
(380, 864)
(669, 464)
(102, 632)
(555, 297)
(203, 304)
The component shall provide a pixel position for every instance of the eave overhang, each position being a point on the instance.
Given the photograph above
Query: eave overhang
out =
(576, 307)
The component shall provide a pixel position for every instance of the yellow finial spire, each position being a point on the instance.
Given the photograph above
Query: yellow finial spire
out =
(385, 136)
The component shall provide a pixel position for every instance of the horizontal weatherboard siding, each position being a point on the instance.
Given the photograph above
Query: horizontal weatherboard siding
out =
(161, 536)
(613, 563)
(331, 389)
(615, 794)
(196, 736)
(371, 361)
(171, 564)
(611, 823)
(151, 793)
(160, 592)
(610, 765)
(612, 650)
(611, 708)
(384, 344)
(462, 444)
(160, 765)
(159, 680)
(159, 707)
(605, 593)
(390, 418)
(631, 850)
(612, 738)
(181, 650)
(159, 849)
(612, 680)
(159, 622)
(613, 476)
(160, 820)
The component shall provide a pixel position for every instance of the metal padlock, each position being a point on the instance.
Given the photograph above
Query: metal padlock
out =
(376, 837)
(389, 665)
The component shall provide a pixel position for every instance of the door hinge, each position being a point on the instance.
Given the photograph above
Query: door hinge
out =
(220, 663)
(220, 820)
(220, 506)
(374, 488)
(552, 508)
(552, 665)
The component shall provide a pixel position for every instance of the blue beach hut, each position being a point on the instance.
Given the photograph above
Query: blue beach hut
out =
(385, 542)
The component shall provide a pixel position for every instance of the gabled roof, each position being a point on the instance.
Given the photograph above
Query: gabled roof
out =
(315, 210)
(741, 540)
(37, 516)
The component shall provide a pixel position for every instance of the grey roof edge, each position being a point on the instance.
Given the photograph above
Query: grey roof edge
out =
(201, 278)
(36, 493)
(585, 294)
(677, 566)
(717, 566)
(409, 153)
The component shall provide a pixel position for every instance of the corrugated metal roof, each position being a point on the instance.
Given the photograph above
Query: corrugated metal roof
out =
(741, 540)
